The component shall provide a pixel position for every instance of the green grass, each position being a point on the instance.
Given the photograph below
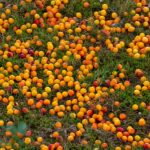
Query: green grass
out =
(43, 125)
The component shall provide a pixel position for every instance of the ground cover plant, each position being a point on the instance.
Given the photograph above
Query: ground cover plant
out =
(74, 74)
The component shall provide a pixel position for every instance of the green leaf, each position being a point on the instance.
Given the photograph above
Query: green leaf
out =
(13, 129)
(22, 127)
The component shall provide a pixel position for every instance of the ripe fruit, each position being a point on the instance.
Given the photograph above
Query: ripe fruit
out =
(58, 124)
(86, 4)
(27, 140)
(136, 92)
(135, 107)
(39, 139)
(70, 138)
(122, 116)
(1, 123)
(105, 6)
(50, 46)
(142, 122)
(55, 65)
(116, 121)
